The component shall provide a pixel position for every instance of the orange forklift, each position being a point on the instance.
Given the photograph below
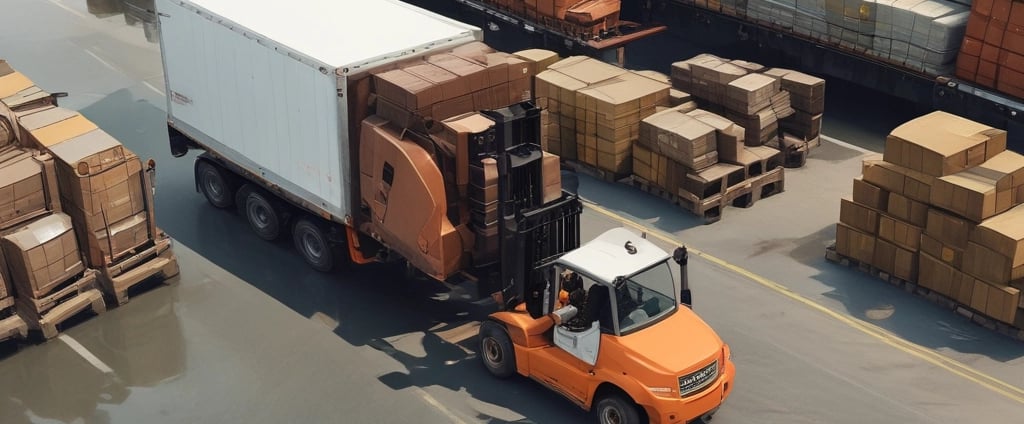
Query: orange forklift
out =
(605, 323)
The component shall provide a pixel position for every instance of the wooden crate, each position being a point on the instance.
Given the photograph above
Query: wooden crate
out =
(155, 260)
(46, 313)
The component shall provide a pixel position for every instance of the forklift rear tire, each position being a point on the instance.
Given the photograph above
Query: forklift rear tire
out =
(496, 350)
(312, 244)
(214, 185)
(616, 409)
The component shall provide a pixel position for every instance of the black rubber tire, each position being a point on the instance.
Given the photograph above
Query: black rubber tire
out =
(262, 213)
(615, 408)
(496, 350)
(214, 185)
(312, 244)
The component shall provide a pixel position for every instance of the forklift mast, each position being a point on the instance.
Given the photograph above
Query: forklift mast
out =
(532, 235)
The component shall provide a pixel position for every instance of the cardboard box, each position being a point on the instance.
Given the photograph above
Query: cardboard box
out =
(807, 93)
(936, 275)
(944, 252)
(971, 195)
(751, 93)
(539, 59)
(897, 179)
(1001, 303)
(949, 229)
(100, 178)
(901, 233)
(483, 181)
(456, 133)
(1004, 234)
(989, 265)
(470, 75)
(907, 210)
(28, 188)
(551, 173)
(6, 288)
(406, 89)
(42, 254)
(729, 137)
(859, 216)
(854, 244)
(870, 195)
(454, 106)
(116, 240)
(678, 136)
(399, 115)
(54, 125)
(940, 144)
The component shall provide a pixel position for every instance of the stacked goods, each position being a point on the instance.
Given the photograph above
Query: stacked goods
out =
(420, 93)
(923, 35)
(941, 209)
(100, 186)
(800, 131)
(992, 53)
(680, 137)
(595, 111)
(582, 18)
(484, 207)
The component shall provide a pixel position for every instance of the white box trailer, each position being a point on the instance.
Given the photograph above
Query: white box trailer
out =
(265, 86)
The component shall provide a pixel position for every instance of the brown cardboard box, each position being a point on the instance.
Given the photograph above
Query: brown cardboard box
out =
(870, 195)
(28, 188)
(901, 233)
(885, 256)
(118, 238)
(1003, 233)
(42, 254)
(942, 251)
(859, 216)
(898, 179)
(989, 265)
(854, 244)
(949, 229)
(678, 136)
(54, 125)
(936, 275)
(406, 89)
(1001, 303)
(729, 136)
(483, 181)
(751, 93)
(587, 70)
(399, 115)
(552, 175)
(457, 131)
(471, 75)
(807, 93)
(6, 289)
(970, 195)
(100, 178)
(907, 210)
(539, 59)
(453, 107)
(979, 295)
(941, 143)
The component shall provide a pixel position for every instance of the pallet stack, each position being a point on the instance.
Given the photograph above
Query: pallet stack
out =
(597, 109)
(76, 211)
(940, 209)
(47, 279)
(759, 99)
(992, 52)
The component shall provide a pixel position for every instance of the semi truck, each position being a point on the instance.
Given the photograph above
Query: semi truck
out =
(846, 40)
(328, 124)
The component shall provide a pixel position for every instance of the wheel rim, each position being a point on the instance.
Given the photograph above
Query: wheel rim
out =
(492, 351)
(610, 415)
(312, 245)
(259, 214)
(213, 185)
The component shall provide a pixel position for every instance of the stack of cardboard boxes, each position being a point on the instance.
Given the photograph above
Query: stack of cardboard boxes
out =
(75, 210)
(585, 19)
(940, 208)
(421, 93)
(778, 108)
(992, 52)
(597, 109)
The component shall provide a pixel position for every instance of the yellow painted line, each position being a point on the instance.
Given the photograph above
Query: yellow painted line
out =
(1006, 389)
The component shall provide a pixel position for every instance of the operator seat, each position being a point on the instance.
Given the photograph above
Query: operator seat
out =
(598, 306)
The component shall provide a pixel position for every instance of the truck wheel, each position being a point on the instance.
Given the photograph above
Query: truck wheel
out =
(496, 350)
(214, 185)
(616, 409)
(263, 216)
(312, 243)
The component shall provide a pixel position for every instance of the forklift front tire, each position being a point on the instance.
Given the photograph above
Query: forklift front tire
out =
(496, 350)
(614, 408)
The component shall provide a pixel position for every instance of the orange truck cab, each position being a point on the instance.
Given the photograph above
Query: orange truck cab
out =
(610, 331)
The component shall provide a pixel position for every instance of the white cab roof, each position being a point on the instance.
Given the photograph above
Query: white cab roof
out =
(340, 32)
(605, 257)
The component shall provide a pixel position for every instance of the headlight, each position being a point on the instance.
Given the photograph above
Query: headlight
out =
(660, 390)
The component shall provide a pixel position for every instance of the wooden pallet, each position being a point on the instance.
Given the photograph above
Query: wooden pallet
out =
(157, 260)
(46, 313)
(595, 172)
(11, 324)
(742, 195)
(933, 296)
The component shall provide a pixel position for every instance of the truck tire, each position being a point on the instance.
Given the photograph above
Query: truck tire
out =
(261, 211)
(615, 408)
(312, 244)
(496, 350)
(214, 185)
